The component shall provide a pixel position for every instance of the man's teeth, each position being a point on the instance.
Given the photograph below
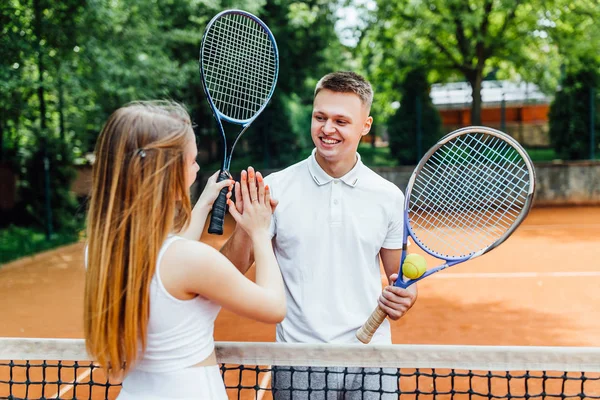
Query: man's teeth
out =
(329, 141)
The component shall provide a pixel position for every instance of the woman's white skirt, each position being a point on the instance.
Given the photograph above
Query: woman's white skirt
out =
(194, 383)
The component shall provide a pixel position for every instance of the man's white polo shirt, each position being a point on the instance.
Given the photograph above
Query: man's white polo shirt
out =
(327, 236)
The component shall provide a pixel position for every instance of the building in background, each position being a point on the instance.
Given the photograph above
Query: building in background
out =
(519, 109)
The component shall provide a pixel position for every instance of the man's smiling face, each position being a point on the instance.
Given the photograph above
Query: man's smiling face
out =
(339, 120)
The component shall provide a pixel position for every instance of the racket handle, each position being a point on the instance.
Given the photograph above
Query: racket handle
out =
(219, 208)
(366, 332)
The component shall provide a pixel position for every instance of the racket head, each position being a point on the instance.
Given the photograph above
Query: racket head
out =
(466, 196)
(469, 193)
(239, 65)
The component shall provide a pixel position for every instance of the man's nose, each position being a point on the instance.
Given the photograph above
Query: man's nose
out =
(328, 127)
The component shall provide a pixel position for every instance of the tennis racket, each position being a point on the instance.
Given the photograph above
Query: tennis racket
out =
(466, 196)
(239, 64)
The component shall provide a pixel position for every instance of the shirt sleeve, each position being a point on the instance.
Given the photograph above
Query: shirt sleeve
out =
(395, 234)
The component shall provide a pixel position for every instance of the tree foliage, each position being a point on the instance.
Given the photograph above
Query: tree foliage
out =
(306, 52)
(416, 125)
(460, 40)
(575, 32)
(570, 113)
(65, 66)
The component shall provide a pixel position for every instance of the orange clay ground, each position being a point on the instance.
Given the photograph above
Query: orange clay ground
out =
(541, 287)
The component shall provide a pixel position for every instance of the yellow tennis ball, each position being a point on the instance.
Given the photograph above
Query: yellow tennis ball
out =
(414, 266)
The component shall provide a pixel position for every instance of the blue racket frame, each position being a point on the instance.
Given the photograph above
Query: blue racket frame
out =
(218, 115)
(450, 261)
(219, 206)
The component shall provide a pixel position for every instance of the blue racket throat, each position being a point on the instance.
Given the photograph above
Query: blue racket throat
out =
(404, 284)
(239, 66)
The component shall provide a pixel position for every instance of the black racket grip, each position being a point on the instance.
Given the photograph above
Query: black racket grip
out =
(219, 208)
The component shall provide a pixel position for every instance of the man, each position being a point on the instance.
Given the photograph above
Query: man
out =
(334, 220)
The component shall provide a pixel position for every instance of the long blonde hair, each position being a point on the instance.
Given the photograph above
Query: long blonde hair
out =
(139, 196)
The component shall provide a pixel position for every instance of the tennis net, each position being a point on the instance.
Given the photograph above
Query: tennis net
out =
(61, 369)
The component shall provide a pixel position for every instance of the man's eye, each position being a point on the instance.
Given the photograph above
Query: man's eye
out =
(319, 118)
(340, 122)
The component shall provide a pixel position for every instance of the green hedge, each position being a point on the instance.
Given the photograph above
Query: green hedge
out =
(17, 242)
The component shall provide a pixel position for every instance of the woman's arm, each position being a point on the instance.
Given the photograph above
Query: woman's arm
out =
(196, 268)
(192, 267)
(203, 206)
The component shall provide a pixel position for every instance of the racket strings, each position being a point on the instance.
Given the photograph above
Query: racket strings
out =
(239, 63)
(508, 156)
(473, 189)
(469, 190)
(445, 211)
(486, 188)
(468, 194)
(229, 92)
(256, 44)
(499, 185)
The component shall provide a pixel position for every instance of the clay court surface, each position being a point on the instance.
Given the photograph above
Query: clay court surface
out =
(538, 288)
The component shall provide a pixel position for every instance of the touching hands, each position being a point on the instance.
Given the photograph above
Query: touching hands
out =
(239, 205)
(253, 207)
(396, 301)
(212, 189)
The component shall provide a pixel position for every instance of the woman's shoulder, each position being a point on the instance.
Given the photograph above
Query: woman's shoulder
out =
(184, 261)
(184, 250)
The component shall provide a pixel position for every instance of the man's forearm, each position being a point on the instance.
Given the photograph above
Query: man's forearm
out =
(238, 249)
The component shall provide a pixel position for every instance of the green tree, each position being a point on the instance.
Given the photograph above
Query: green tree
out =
(15, 89)
(570, 114)
(573, 29)
(65, 66)
(304, 31)
(461, 39)
(416, 125)
(66, 214)
(37, 38)
(576, 34)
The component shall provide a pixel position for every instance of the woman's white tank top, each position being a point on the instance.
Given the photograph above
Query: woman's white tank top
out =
(180, 332)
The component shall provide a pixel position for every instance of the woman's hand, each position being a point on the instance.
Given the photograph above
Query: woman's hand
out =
(212, 189)
(239, 204)
(254, 202)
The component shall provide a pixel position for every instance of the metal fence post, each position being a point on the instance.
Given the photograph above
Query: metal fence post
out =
(592, 124)
(419, 128)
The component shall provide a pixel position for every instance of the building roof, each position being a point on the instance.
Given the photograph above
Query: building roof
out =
(458, 94)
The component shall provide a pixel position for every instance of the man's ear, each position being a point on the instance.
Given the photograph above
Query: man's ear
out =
(367, 125)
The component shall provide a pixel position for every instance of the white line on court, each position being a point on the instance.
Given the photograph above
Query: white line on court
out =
(470, 275)
(263, 384)
(71, 385)
(526, 227)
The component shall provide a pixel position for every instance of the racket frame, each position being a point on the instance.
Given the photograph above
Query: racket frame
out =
(218, 211)
(449, 260)
(365, 333)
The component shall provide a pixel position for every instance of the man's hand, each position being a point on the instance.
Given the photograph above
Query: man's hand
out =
(396, 301)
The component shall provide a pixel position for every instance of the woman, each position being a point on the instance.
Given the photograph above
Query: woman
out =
(152, 290)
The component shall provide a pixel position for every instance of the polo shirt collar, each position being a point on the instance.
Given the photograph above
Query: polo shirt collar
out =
(321, 177)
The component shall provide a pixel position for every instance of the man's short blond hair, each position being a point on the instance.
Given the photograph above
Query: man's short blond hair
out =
(347, 82)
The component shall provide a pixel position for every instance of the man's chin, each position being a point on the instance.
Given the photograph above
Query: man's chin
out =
(327, 154)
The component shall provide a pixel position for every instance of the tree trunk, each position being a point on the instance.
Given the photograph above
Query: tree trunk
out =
(38, 38)
(43, 134)
(61, 105)
(475, 81)
(1, 140)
